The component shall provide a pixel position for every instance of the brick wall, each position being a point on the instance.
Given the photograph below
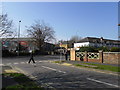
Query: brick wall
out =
(111, 57)
(104, 57)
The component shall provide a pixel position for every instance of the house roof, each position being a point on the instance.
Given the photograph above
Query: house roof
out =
(98, 40)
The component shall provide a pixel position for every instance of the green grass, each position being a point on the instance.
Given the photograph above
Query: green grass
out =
(58, 61)
(98, 66)
(23, 82)
(102, 67)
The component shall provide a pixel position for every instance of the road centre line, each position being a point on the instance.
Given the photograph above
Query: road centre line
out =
(103, 82)
(53, 69)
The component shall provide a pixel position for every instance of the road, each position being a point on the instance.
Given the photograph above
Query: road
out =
(58, 76)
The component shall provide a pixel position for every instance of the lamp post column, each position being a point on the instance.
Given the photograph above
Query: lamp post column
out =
(19, 39)
(118, 31)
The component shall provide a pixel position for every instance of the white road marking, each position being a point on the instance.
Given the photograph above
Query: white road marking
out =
(1, 64)
(22, 62)
(40, 61)
(43, 61)
(53, 69)
(103, 82)
(16, 63)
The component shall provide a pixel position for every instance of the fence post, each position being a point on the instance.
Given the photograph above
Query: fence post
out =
(86, 57)
(101, 56)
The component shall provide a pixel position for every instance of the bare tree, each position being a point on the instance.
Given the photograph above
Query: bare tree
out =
(6, 26)
(75, 38)
(40, 33)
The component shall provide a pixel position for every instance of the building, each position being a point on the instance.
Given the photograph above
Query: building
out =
(12, 44)
(25, 44)
(64, 44)
(97, 42)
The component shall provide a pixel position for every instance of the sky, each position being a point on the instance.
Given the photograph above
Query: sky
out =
(84, 19)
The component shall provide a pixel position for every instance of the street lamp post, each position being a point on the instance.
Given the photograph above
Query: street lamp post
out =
(118, 31)
(19, 38)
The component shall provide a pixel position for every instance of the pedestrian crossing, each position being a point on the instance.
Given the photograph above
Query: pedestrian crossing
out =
(16, 63)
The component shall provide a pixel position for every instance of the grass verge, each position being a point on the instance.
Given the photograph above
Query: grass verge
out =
(95, 66)
(58, 61)
(101, 67)
(23, 82)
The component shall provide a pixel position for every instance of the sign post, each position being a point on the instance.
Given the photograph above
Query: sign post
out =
(60, 51)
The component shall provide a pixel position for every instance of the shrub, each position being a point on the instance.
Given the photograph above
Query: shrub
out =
(88, 49)
(105, 49)
(115, 49)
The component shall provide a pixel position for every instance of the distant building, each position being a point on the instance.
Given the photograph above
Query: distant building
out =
(67, 44)
(26, 44)
(97, 42)
(64, 44)
(11, 44)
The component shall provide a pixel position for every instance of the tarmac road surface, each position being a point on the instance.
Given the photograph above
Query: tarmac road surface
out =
(58, 76)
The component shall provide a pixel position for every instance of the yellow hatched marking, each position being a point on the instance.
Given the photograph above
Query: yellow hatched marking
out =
(11, 71)
(67, 64)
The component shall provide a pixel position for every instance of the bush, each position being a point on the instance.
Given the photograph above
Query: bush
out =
(115, 49)
(94, 49)
(105, 49)
(88, 49)
(6, 53)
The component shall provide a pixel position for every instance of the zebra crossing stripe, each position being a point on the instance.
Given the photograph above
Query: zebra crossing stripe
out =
(16, 63)
(1, 64)
(22, 62)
